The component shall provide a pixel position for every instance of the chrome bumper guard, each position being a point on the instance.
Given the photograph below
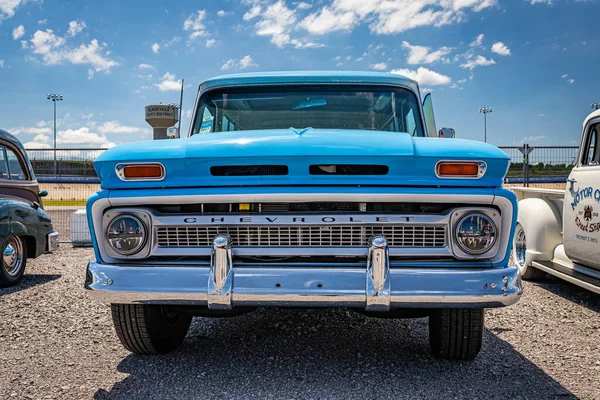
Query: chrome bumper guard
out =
(52, 242)
(375, 288)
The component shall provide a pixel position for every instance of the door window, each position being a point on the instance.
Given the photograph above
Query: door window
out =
(591, 155)
(3, 165)
(14, 166)
(10, 165)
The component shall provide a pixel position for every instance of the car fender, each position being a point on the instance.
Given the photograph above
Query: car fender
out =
(542, 222)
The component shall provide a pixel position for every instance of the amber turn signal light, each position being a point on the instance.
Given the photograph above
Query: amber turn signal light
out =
(447, 169)
(141, 171)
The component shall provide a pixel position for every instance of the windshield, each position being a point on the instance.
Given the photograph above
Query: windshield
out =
(319, 107)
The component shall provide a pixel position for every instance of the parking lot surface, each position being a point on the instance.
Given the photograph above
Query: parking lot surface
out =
(57, 343)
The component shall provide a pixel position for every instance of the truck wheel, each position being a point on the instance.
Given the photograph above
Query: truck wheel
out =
(149, 329)
(528, 272)
(13, 261)
(456, 333)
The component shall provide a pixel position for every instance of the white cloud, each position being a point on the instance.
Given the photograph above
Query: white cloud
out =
(390, 17)
(75, 27)
(40, 141)
(168, 83)
(424, 55)
(501, 49)
(42, 21)
(82, 137)
(478, 41)
(378, 66)
(277, 20)
(8, 7)
(1, 63)
(328, 20)
(146, 66)
(228, 64)
(195, 24)
(18, 32)
(222, 13)
(53, 50)
(30, 130)
(478, 61)
(565, 76)
(547, 2)
(302, 5)
(116, 127)
(242, 63)
(155, 48)
(252, 13)
(299, 44)
(424, 76)
(210, 42)
(529, 139)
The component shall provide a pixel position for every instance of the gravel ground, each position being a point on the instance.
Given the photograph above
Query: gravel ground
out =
(57, 343)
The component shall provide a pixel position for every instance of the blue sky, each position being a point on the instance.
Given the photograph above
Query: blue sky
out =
(536, 62)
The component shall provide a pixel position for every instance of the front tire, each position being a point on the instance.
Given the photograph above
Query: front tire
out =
(149, 329)
(13, 261)
(527, 271)
(456, 333)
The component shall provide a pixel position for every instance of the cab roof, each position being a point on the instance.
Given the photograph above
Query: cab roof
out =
(11, 139)
(308, 77)
(593, 114)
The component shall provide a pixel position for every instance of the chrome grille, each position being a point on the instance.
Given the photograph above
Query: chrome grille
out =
(302, 236)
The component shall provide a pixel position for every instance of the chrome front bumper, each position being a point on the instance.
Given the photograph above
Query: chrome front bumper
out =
(374, 288)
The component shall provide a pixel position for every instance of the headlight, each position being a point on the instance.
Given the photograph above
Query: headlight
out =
(126, 235)
(475, 233)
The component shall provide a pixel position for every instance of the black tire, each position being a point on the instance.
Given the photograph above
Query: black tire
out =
(11, 278)
(456, 333)
(149, 329)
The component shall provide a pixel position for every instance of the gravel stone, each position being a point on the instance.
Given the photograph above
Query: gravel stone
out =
(56, 343)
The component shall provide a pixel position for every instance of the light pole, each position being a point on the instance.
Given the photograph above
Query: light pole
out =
(595, 106)
(55, 98)
(485, 111)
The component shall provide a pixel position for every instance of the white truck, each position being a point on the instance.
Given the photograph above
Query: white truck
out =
(558, 231)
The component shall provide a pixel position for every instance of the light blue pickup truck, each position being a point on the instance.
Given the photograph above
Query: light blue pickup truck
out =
(304, 189)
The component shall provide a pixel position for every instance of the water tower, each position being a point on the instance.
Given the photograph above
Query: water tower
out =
(161, 117)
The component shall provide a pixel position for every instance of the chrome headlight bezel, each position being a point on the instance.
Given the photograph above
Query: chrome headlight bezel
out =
(142, 218)
(458, 248)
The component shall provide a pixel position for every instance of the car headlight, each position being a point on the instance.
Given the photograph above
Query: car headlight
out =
(126, 235)
(475, 233)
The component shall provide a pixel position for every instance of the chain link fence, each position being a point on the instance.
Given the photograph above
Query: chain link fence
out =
(75, 178)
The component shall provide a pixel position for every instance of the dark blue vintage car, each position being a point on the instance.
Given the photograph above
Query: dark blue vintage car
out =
(25, 228)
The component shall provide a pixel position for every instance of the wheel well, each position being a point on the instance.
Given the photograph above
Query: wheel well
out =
(31, 248)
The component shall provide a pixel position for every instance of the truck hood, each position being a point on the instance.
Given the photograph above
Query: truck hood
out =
(409, 161)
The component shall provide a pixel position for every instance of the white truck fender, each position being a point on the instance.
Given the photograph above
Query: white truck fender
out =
(542, 223)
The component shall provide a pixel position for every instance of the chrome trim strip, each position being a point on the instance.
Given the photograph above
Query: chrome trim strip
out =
(312, 287)
(305, 251)
(119, 170)
(378, 289)
(480, 172)
(220, 276)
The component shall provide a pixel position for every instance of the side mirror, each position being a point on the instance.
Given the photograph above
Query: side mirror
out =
(446, 133)
(43, 193)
